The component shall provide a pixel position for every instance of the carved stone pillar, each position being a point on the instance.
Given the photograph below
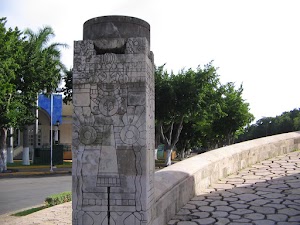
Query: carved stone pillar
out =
(113, 123)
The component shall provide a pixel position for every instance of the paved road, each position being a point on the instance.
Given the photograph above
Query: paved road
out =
(265, 194)
(20, 193)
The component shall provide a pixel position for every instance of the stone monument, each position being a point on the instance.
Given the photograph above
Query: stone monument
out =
(113, 123)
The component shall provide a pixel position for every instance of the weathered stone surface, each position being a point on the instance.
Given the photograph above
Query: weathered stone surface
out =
(263, 209)
(273, 195)
(113, 128)
(224, 208)
(186, 223)
(287, 223)
(184, 211)
(259, 202)
(230, 199)
(243, 190)
(248, 197)
(295, 206)
(264, 222)
(172, 222)
(289, 211)
(199, 203)
(189, 206)
(207, 208)
(242, 221)
(222, 186)
(239, 206)
(115, 27)
(254, 216)
(222, 221)
(292, 196)
(234, 217)
(238, 223)
(201, 215)
(294, 218)
(277, 217)
(206, 221)
(242, 211)
(218, 203)
(276, 206)
(280, 186)
(219, 214)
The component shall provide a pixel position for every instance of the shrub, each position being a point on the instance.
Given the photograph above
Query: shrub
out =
(57, 199)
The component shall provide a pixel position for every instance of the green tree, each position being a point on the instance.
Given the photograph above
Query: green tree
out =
(189, 138)
(296, 121)
(286, 122)
(68, 88)
(235, 114)
(11, 48)
(179, 98)
(29, 66)
(194, 109)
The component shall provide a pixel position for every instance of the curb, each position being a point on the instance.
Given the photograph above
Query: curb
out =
(33, 174)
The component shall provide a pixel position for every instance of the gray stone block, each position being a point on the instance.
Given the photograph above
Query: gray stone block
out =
(113, 128)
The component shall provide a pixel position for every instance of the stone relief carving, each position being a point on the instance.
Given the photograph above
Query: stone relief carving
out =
(113, 134)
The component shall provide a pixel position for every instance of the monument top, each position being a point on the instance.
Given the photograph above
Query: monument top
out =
(115, 27)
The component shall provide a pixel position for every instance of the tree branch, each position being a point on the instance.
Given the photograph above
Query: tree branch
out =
(162, 133)
(170, 133)
(180, 126)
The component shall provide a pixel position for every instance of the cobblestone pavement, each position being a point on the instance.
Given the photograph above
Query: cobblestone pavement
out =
(266, 193)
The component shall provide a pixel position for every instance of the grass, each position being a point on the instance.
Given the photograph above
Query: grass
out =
(29, 211)
(18, 163)
(67, 163)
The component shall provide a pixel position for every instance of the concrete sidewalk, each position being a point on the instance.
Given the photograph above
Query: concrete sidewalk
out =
(266, 193)
(58, 215)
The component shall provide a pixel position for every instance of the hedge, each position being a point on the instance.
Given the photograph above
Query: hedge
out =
(57, 199)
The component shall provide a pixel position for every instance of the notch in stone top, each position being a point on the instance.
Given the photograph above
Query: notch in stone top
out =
(115, 27)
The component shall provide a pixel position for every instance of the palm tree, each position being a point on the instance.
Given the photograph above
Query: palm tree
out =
(45, 58)
(43, 73)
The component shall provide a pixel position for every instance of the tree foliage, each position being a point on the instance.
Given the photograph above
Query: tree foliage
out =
(235, 114)
(194, 109)
(11, 59)
(266, 126)
(42, 69)
(68, 88)
(29, 64)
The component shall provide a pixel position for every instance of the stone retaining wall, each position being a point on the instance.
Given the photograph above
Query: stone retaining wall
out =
(177, 184)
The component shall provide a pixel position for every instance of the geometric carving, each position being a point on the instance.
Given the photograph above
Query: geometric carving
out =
(130, 134)
(108, 105)
(87, 135)
(113, 124)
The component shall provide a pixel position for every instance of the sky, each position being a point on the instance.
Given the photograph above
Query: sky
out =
(253, 42)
